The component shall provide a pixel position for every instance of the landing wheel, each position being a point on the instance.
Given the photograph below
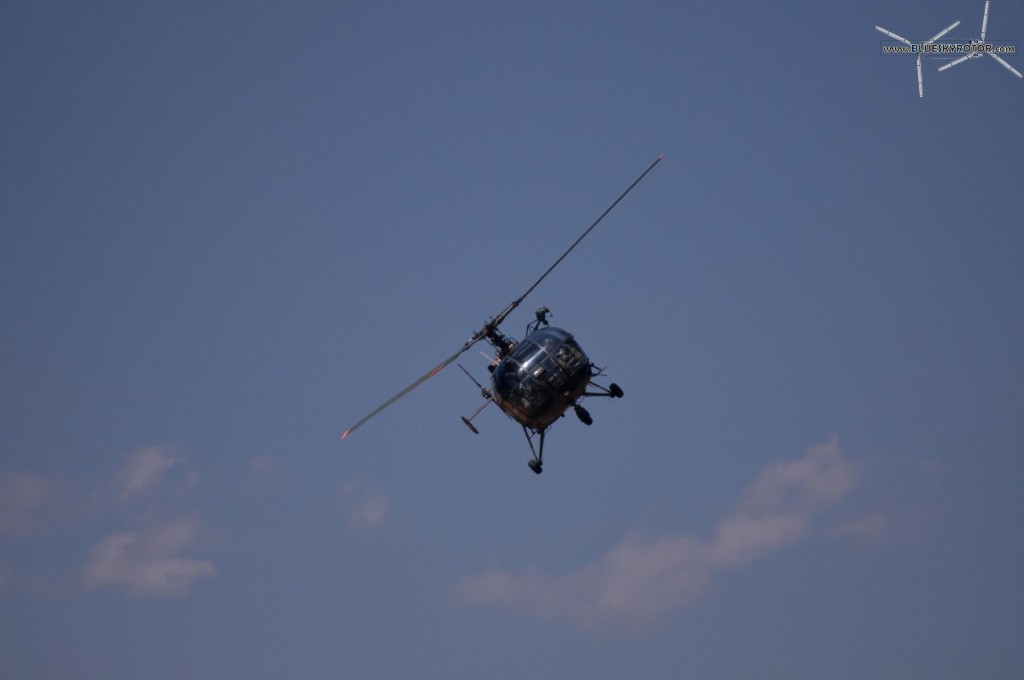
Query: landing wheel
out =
(584, 415)
(615, 390)
(536, 466)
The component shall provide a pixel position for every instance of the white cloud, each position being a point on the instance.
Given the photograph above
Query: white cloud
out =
(147, 556)
(364, 505)
(150, 563)
(635, 581)
(641, 579)
(143, 470)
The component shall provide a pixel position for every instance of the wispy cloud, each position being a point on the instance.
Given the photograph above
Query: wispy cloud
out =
(149, 559)
(642, 578)
(364, 505)
(143, 470)
(149, 563)
(141, 509)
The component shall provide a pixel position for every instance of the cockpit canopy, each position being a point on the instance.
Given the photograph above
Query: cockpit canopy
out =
(545, 372)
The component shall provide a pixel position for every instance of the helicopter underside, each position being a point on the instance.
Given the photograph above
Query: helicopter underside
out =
(536, 407)
(545, 375)
(536, 383)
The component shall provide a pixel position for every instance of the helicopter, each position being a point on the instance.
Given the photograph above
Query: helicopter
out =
(536, 380)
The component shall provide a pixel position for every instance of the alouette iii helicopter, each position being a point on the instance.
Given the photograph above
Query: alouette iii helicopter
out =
(536, 380)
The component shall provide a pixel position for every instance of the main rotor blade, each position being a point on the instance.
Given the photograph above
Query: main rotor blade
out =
(491, 326)
(434, 371)
(1001, 61)
(955, 62)
(920, 80)
(943, 32)
(515, 303)
(984, 22)
(894, 36)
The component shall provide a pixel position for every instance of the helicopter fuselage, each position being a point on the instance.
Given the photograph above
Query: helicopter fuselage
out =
(541, 378)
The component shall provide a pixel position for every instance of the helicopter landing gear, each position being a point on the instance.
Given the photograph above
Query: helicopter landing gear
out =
(613, 391)
(537, 462)
(583, 415)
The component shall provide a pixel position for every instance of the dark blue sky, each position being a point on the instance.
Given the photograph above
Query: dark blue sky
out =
(228, 230)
